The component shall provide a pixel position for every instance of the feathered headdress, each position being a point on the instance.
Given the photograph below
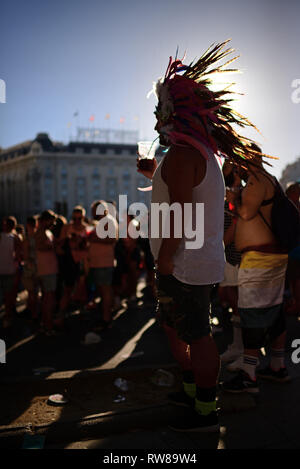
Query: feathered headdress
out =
(196, 115)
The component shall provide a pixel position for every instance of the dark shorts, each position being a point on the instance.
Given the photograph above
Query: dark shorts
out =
(257, 334)
(48, 282)
(184, 307)
(102, 275)
(69, 270)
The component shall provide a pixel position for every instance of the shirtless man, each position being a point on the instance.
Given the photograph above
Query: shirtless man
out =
(10, 255)
(261, 281)
(73, 237)
(101, 256)
(293, 270)
(47, 268)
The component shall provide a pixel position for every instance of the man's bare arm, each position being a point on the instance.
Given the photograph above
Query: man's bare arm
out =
(42, 242)
(252, 197)
(229, 234)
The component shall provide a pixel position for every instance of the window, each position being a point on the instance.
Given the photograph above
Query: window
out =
(111, 188)
(80, 190)
(48, 187)
(64, 172)
(48, 204)
(80, 171)
(126, 175)
(48, 172)
(96, 184)
(64, 182)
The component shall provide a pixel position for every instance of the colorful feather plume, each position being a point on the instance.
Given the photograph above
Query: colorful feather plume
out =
(196, 115)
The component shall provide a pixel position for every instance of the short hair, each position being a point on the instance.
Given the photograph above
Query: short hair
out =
(292, 187)
(11, 222)
(20, 229)
(99, 202)
(79, 208)
(61, 219)
(47, 215)
(31, 221)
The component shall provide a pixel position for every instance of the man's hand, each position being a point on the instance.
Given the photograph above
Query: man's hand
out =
(148, 173)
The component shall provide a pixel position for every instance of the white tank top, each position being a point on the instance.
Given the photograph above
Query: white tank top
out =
(8, 265)
(203, 266)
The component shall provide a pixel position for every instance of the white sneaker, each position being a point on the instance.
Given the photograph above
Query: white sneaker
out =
(231, 354)
(236, 365)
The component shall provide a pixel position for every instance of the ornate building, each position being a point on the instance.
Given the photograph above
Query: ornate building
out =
(42, 174)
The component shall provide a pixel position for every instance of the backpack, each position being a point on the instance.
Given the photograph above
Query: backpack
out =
(285, 220)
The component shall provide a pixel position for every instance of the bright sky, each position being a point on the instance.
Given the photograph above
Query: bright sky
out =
(99, 57)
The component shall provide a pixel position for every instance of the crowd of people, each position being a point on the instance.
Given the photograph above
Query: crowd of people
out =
(58, 262)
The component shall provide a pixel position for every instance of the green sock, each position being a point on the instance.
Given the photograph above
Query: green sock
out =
(205, 408)
(190, 389)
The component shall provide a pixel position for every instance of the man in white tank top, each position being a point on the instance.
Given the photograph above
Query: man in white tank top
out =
(195, 122)
(186, 277)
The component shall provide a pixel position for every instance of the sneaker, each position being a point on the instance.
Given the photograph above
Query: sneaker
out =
(195, 422)
(280, 376)
(236, 365)
(231, 354)
(241, 383)
(181, 398)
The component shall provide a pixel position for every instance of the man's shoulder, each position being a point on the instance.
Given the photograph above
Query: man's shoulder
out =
(181, 151)
(183, 157)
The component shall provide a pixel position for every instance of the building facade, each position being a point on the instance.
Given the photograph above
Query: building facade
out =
(42, 174)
